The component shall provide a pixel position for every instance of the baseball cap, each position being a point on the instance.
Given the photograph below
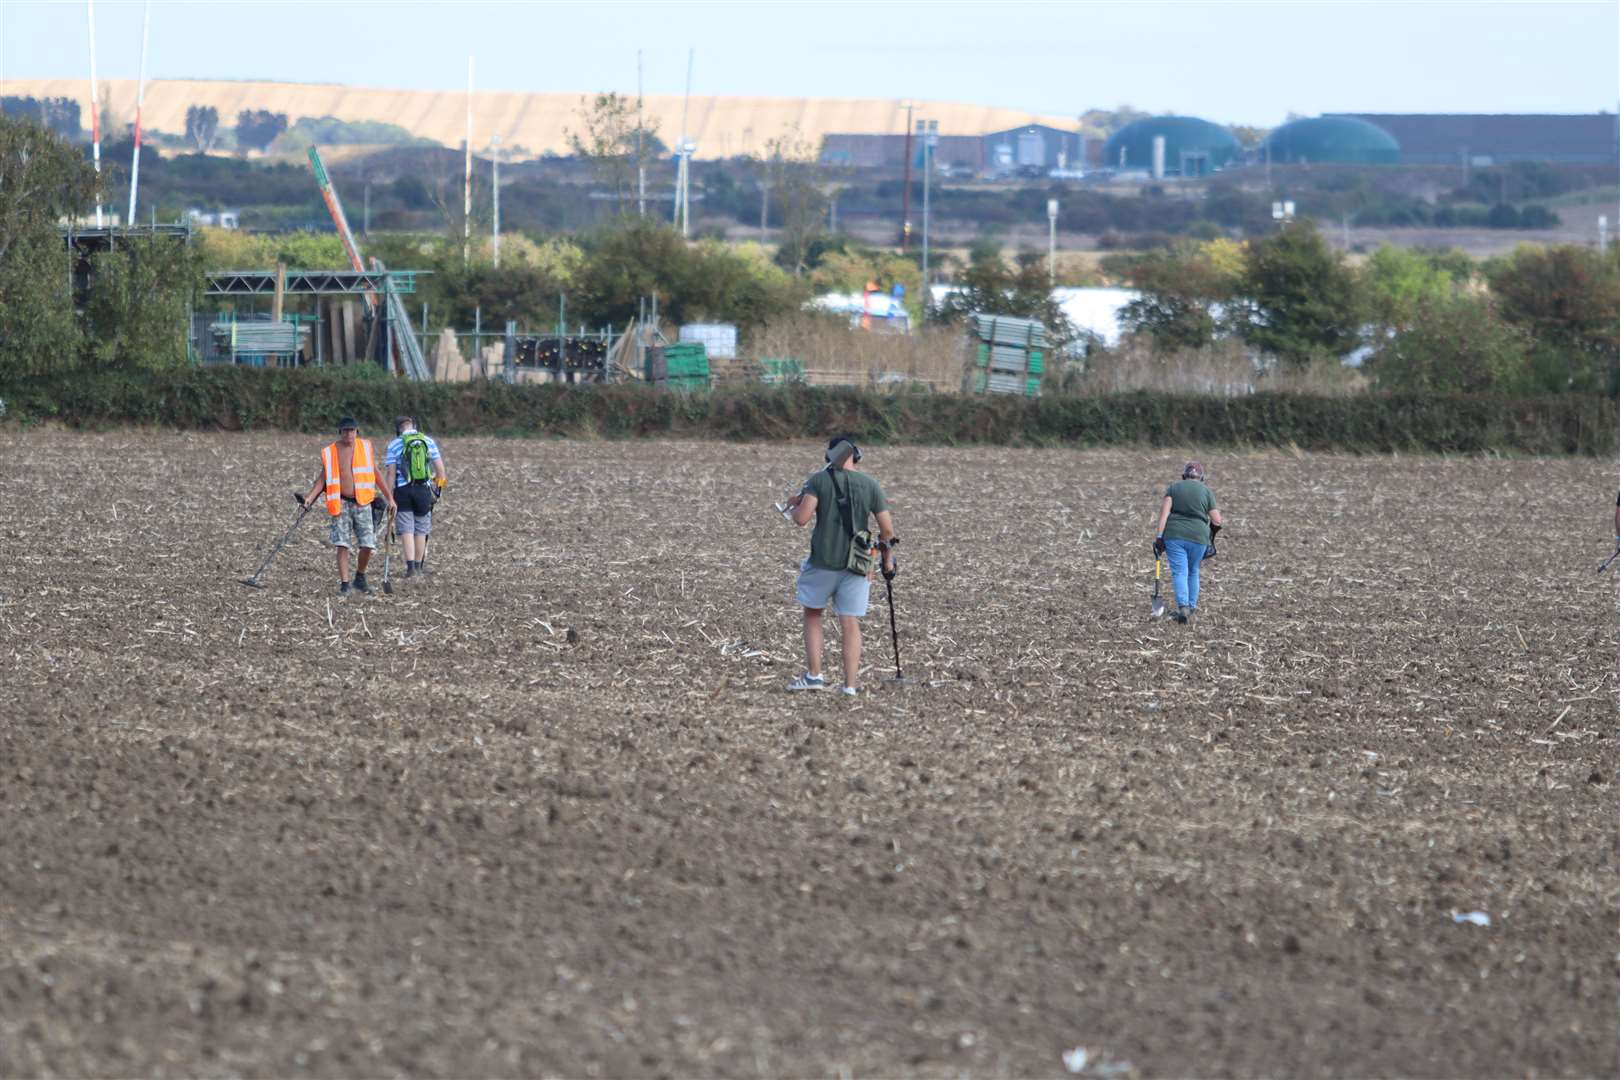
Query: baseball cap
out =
(348, 424)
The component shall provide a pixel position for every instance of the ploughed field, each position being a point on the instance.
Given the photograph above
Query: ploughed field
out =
(550, 811)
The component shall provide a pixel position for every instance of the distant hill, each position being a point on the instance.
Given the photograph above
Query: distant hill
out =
(535, 123)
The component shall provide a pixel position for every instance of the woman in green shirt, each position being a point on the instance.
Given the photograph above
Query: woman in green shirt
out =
(1188, 522)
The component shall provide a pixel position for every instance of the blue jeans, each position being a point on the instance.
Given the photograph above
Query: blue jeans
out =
(1184, 556)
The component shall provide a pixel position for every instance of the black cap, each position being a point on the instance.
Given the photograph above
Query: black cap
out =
(348, 424)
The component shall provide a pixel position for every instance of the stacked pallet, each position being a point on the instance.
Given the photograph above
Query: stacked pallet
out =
(1011, 355)
(680, 367)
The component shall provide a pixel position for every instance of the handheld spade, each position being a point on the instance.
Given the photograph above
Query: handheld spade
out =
(1158, 600)
(253, 582)
(1604, 565)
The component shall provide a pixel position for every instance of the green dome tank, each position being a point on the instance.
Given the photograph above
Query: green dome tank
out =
(1333, 140)
(1192, 147)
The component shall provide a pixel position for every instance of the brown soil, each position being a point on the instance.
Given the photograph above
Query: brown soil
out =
(551, 811)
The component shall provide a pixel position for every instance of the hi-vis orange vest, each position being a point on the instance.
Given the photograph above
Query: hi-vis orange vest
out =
(364, 468)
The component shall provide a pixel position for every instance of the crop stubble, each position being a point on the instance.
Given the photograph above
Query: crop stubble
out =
(552, 812)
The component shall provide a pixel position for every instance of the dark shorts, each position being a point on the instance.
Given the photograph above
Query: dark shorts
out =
(414, 499)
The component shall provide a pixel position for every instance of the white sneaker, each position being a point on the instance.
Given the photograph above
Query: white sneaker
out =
(808, 681)
(850, 691)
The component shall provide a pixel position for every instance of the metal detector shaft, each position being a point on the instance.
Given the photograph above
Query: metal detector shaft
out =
(894, 631)
(297, 521)
(1605, 564)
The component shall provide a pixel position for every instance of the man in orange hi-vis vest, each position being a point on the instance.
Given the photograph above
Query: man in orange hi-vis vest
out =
(348, 479)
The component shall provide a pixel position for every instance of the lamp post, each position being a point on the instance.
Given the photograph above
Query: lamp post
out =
(1051, 242)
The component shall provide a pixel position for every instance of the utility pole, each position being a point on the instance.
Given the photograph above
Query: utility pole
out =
(930, 133)
(905, 195)
(495, 187)
(1051, 243)
(641, 157)
(466, 185)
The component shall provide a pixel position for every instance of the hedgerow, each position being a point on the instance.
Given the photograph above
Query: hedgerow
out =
(306, 400)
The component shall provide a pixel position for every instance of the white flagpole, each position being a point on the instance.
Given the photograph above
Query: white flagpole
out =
(140, 99)
(95, 110)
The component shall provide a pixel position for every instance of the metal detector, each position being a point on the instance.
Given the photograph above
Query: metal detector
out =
(900, 678)
(1604, 565)
(388, 552)
(253, 582)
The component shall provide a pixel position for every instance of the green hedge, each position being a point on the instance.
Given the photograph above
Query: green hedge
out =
(239, 399)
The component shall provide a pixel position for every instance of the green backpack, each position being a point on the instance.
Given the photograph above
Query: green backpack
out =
(414, 457)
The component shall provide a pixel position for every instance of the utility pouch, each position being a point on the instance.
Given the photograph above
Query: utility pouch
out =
(863, 558)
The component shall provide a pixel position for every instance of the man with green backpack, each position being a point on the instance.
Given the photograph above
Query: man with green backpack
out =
(414, 470)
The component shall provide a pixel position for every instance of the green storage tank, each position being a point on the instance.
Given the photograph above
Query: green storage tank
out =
(1333, 140)
(1192, 147)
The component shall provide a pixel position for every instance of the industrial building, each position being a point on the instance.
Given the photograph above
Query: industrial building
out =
(1495, 139)
(1332, 140)
(1171, 146)
(1030, 148)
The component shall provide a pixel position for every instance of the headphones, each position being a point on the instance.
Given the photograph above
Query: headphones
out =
(840, 441)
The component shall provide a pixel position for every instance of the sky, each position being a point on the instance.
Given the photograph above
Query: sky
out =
(1250, 63)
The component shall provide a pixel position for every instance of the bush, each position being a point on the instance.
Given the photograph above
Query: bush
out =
(236, 399)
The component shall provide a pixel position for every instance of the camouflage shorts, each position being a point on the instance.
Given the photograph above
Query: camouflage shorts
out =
(353, 528)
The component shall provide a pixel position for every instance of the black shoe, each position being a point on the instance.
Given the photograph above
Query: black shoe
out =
(1181, 615)
(1192, 615)
(410, 569)
(360, 584)
(343, 588)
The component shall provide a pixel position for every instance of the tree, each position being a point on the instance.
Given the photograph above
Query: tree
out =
(1297, 299)
(1397, 282)
(202, 126)
(1452, 344)
(608, 140)
(1568, 299)
(256, 129)
(139, 294)
(58, 114)
(1184, 296)
(991, 287)
(790, 164)
(42, 179)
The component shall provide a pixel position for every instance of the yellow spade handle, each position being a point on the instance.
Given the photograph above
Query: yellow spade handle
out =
(1157, 563)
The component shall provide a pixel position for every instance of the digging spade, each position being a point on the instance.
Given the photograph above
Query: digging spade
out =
(253, 582)
(1158, 600)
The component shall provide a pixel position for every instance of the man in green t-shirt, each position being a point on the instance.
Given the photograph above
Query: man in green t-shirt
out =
(1188, 521)
(841, 500)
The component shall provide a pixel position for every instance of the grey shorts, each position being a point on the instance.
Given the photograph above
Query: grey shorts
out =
(848, 592)
(353, 527)
(408, 524)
